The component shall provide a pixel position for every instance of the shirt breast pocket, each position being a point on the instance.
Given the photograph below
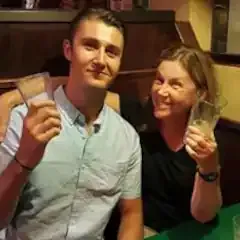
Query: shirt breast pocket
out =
(103, 178)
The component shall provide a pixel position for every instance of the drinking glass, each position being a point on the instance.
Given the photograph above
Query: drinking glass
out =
(236, 227)
(26, 85)
(205, 115)
(149, 232)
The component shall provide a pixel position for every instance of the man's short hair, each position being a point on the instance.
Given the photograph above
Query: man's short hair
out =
(100, 14)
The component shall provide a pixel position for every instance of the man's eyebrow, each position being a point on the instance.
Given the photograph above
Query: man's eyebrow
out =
(84, 39)
(108, 44)
(114, 48)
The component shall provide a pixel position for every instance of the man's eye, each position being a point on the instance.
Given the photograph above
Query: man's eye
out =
(89, 46)
(111, 54)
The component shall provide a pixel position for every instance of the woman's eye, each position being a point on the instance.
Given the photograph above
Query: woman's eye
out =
(89, 48)
(176, 85)
(159, 81)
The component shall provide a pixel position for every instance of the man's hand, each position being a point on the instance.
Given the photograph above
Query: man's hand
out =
(13, 98)
(41, 124)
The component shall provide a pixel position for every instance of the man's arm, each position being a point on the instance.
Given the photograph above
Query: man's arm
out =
(131, 219)
(12, 175)
(12, 180)
(19, 153)
(131, 226)
(11, 99)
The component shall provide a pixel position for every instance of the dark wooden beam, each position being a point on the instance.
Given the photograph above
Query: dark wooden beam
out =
(63, 16)
(186, 33)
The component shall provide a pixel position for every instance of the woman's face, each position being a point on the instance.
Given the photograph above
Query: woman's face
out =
(173, 91)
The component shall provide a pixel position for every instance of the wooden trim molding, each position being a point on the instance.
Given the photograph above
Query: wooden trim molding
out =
(64, 16)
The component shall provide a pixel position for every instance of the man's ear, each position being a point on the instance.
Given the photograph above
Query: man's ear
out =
(67, 49)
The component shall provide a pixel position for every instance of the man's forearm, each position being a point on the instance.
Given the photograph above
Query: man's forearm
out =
(12, 180)
(206, 199)
(131, 227)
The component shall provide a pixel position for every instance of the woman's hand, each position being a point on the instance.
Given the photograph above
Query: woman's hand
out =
(202, 148)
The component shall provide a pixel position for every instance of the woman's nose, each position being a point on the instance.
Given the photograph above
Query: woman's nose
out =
(163, 90)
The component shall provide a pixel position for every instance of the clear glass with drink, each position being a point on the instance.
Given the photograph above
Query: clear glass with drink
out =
(236, 227)
(205, 115)
(37, 82)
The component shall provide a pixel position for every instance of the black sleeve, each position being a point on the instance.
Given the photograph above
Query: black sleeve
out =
(132, 111)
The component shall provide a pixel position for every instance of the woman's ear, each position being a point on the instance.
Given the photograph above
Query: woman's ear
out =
(67, 49)
(202, 94)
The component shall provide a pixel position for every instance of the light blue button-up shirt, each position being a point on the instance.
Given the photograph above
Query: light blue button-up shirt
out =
(72, 191)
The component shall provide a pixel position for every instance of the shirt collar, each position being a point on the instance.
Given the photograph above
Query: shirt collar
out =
(71, 113)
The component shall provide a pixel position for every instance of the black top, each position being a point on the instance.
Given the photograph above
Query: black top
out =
(167, 185)
(167, 176)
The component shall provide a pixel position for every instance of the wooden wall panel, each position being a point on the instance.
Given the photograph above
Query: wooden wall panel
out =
(25, 47)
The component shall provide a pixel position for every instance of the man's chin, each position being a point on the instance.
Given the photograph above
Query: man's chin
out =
(98, 84)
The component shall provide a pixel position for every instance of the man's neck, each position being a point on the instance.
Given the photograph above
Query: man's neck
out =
(89, 101)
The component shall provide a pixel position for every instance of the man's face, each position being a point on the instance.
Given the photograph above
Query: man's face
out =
(95, 54)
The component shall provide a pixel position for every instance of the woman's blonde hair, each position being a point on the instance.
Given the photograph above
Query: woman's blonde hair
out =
(198, 65)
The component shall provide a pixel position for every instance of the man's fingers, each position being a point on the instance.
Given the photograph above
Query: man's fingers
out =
(47, 112)
(41, 103)
(48, 135)
(48, 124)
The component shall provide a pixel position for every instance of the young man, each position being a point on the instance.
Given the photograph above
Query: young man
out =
(60, 160)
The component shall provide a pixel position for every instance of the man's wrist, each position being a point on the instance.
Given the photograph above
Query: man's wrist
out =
(23, 166)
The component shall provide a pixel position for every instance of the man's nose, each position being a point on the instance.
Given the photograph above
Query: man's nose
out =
(100, 60)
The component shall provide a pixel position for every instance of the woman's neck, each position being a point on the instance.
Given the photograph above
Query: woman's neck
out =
(173, 132)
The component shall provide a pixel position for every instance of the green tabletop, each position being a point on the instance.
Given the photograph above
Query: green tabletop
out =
(222, 230)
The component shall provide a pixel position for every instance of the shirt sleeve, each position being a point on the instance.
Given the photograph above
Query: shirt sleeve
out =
(133, 179)
(9, 146)
(132, 111)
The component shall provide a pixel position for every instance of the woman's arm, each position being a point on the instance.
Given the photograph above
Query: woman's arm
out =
(206, 197)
